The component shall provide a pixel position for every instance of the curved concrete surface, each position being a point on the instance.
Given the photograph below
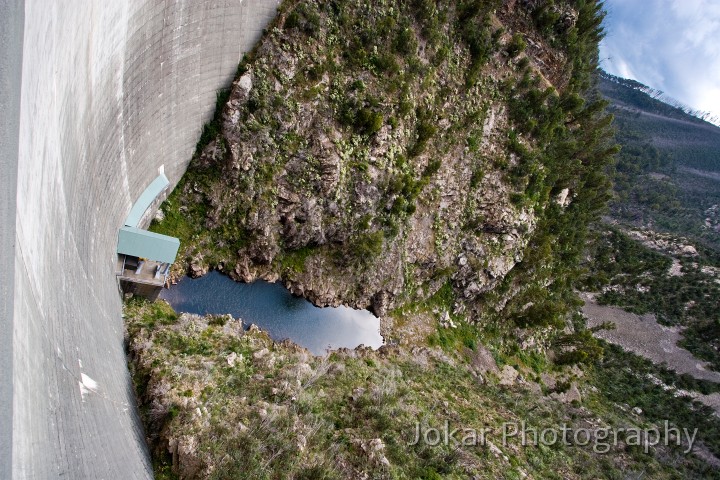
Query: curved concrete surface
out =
(107, 93)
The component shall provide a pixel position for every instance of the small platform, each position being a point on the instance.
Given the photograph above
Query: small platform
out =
(127, 270)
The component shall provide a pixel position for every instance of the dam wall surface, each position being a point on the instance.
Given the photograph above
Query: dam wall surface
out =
(108, 93)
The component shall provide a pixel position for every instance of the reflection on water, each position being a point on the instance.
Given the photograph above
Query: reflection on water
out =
(274, 309)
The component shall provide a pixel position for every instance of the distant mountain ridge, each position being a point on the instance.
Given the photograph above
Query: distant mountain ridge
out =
(691, 141)
(660, 96)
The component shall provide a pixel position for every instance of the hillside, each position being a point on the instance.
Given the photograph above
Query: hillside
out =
(666, 176)
(438, 163)
(229, 404)
(692, 142)
(371, 163)
(658, 251)
(634, 94)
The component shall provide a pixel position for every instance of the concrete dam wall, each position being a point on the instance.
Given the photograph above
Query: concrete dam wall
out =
(96, 97)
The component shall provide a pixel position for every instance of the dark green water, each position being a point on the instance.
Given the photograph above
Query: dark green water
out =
(274, 309)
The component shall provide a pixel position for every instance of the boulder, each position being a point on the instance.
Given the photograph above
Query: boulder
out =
(508, 375)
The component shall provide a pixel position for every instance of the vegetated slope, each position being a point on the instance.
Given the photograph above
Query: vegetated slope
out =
(666, 175)
(230, 404)
(370, 154)
(662, 256)
(692, 141)
(647, 272)
(439, 162)
(634, 94)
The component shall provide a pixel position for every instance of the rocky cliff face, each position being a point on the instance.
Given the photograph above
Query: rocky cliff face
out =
(369, 154)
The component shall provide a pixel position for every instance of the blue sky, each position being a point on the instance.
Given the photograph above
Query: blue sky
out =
(671, 45)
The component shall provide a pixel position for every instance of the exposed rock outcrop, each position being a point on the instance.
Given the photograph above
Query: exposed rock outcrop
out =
(350, 197)
(422, 150)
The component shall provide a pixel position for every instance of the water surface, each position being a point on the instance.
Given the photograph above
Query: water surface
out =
(274, 309)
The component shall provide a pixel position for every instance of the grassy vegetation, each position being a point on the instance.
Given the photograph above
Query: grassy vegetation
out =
(294, 260)
(623, 377)
(257, 409)
(148, 315)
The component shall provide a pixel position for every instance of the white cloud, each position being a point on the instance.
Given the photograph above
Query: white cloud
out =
(671, 45)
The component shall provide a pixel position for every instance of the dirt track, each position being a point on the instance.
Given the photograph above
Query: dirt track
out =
(641, 334)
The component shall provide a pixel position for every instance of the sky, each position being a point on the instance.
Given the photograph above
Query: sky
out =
(670, 45)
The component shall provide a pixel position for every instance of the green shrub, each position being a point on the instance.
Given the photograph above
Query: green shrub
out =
(213, 128)
(542, 314)
(405, 43)
(432, 168)
(304, 18)
(367, 121)
(294, 260)
(364, 248)
(516, 46)
(425, 129)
